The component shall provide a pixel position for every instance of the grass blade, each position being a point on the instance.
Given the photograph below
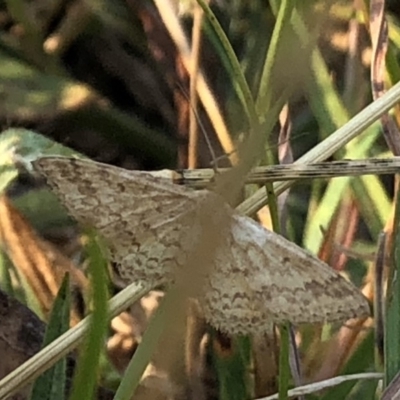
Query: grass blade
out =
(51, 385)
(86, 375)
(392, 323)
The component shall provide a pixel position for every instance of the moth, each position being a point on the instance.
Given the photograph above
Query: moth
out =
(152, 226)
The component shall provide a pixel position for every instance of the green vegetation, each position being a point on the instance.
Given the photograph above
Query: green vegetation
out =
(274, 81)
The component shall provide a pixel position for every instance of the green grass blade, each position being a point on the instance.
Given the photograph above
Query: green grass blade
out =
(284, 366)
(233, 370)
(85, 379)
(323, 98)
(375, 206)
(323, 214)
(232, 65)
(51, 385)
(392, 321)
(264, 95)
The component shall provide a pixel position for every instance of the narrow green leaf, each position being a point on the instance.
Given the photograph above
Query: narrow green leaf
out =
(265, 90)
(85, 379)
(231, 63)
(392, 321)
(374, 203)
(51, 385)
(284, 366)
(327, 205)
(233, 370)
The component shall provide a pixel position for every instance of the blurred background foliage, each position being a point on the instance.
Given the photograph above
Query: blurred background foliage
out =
(105, 79)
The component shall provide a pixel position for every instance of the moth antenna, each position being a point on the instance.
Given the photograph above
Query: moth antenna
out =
(202, 128)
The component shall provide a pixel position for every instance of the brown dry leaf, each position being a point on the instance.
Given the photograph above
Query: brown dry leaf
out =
(39, 261)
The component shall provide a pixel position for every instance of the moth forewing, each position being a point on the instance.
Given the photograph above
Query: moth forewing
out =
(154, 228)
(263, 277)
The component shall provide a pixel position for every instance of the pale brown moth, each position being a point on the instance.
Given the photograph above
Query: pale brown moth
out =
(257, 277)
